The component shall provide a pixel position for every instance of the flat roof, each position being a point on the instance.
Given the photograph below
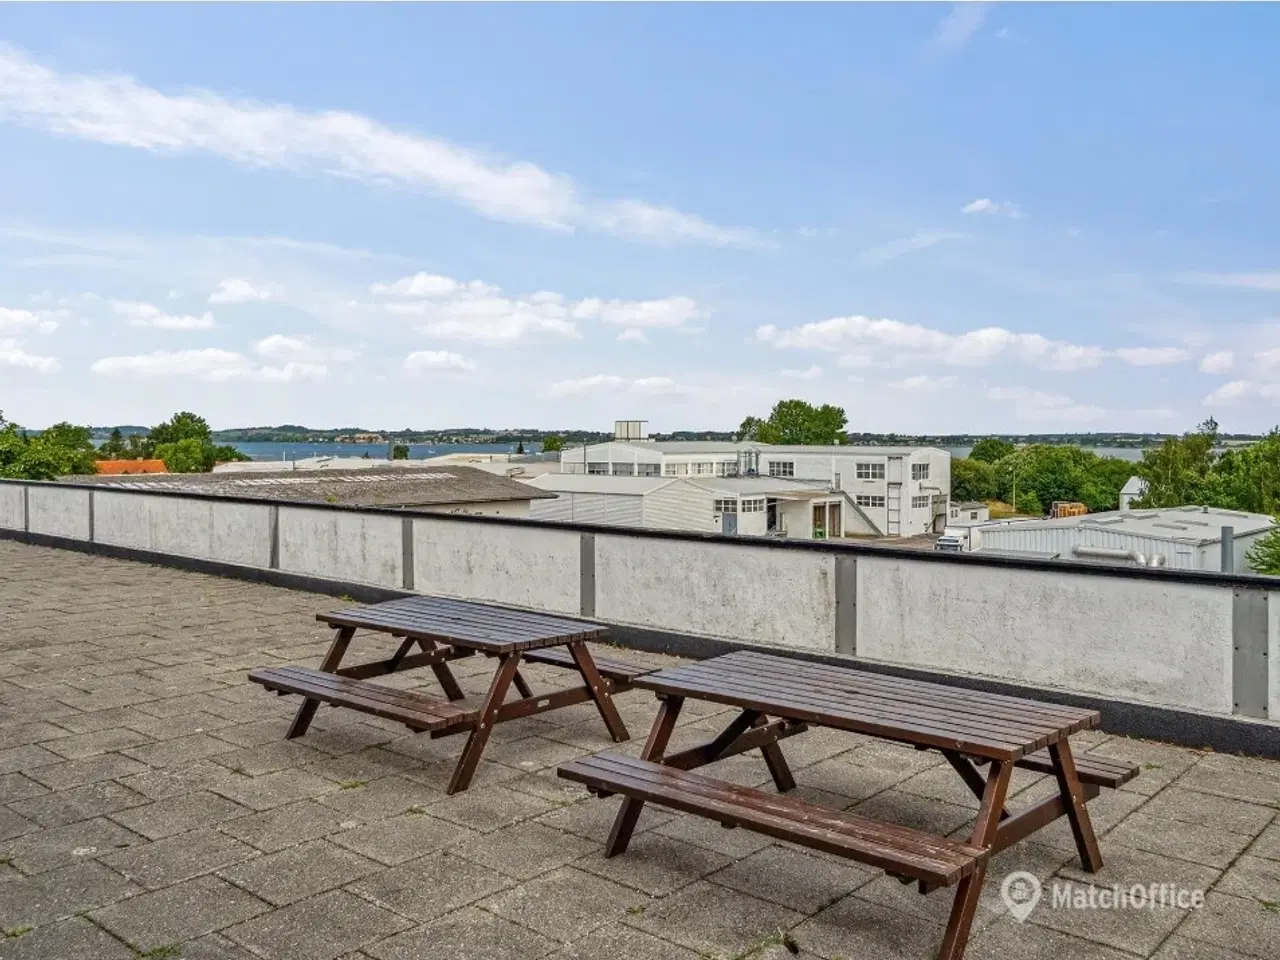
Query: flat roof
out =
(761, 486)
(1197, 524)
(377, 486)
(733, 446)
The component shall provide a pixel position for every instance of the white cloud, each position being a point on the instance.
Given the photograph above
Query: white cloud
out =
(808, 373)
(418, 285)
(12, 354)
(634, 336)
(668, 312)
(210, 364)
(1264, 282)
(479, 313)
(239, 290)
(1036, 406)
(991, 207)
(974, 348)
(301, 351)
(118, 110)
(13, 320)
(1153, 356)
(904, 245)
(1230, 393)
(438, 360)
(609, 383)
(922, 383)
(1268, 359)
(149, 315)
(958, 27)
(1219, 362)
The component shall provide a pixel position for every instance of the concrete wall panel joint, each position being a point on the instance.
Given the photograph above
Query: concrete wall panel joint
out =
(1249, 667)
(587, 576)
(406, 551)
(846, 588)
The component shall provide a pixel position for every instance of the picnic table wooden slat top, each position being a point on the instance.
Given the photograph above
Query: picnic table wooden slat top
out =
(969, 721)
(483, 627)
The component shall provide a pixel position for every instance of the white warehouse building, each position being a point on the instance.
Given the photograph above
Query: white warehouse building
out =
(748, 506)
(1184, 538)
(902, 491)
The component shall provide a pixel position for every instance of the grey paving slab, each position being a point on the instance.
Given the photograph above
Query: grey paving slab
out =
(163, 818)
(60, 846)
(179, 913)
(17, 786)
(856, 928)
(430, 886)
(793, 879)
(1212, 847)
(1138, 930)
(1243, 925)
(284, 826)
(710, 919)
(178, 857)
(524, 850)
(74, 939)
(655, 864)
(299, 872)
(319, 928)
(620, 941)
(463, 935)
(566, 904)
(45, 897)
(78, 803)
(403, 837)
(492, 809)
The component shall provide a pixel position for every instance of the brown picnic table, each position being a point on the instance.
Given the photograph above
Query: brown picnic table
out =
(434, 631)
(983, 736)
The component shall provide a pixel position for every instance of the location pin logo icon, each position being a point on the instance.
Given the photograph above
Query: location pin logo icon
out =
(1021, 891)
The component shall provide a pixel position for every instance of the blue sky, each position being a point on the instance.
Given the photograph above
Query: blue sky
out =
(974, 218)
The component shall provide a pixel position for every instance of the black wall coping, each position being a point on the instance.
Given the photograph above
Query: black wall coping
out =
(1166, 724)
(1210, 578)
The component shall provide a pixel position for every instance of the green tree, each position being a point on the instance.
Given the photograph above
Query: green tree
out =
(114, 448)
(973, 479)
(991, 449)
(1043, 473)
(1264, 555)
(60, 450)
(399, 451)
(552, 445)
(795, 421)
(184, 425)
(181, 427)
(184, 456)
(519, 447)
(1180, 470)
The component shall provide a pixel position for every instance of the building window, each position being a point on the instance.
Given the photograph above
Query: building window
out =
(668, 469)
(870, 471)
(919, 471)
(973, 514)
(703, 469)
(726, 506)
(919, 503)
(624, 469)
(753, 506)
(782, 468)
(647, 470)
(863, 500)
(601, 469)
(682, 469)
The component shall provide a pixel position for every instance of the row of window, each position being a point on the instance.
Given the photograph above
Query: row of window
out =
(702, 468)
(863, 500)
(920, 503)
(731, 506)
(707, 468)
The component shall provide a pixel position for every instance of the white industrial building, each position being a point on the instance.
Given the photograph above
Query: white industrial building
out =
(747, 506)
(1184, 538)
(902, 491)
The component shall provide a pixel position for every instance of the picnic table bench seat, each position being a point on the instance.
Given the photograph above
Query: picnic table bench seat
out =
(900, 850)
(1092, 768)
(622, 673)
(417, 712)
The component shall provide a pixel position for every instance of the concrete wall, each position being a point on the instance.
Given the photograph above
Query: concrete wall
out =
(1158, 638)
(522, 566)
(342, 545)
(228, 532)
(57, 512)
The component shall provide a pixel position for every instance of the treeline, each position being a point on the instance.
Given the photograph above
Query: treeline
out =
(184, 442)
(1191, 469)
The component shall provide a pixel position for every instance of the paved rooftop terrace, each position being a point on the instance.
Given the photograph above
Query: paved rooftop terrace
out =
(151, 806)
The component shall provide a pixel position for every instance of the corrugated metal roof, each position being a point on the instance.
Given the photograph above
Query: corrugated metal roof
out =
(597, 483)
(730, 446)
(1193, 524)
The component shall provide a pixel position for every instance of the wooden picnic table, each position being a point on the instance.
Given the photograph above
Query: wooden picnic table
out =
(434, 631)
(780, 697)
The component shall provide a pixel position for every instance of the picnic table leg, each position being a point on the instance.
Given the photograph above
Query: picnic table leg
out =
(776, 762)
(1073, 798)
(444, 676)
(337, 650)
(599, 691)
(522, 685)
(467, 763)
(969, 889)
(970, 775)
(624, 824)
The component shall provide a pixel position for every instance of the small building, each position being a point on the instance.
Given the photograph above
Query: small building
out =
(451, 490)
(1134, 489)
(902, 490)
(968, 513)
(120, 468)
(748, 506)
(1183, 538)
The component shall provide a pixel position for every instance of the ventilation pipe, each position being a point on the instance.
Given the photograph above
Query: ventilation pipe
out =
(1113, 553)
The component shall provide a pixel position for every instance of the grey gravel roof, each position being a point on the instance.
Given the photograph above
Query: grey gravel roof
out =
(386, 487)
